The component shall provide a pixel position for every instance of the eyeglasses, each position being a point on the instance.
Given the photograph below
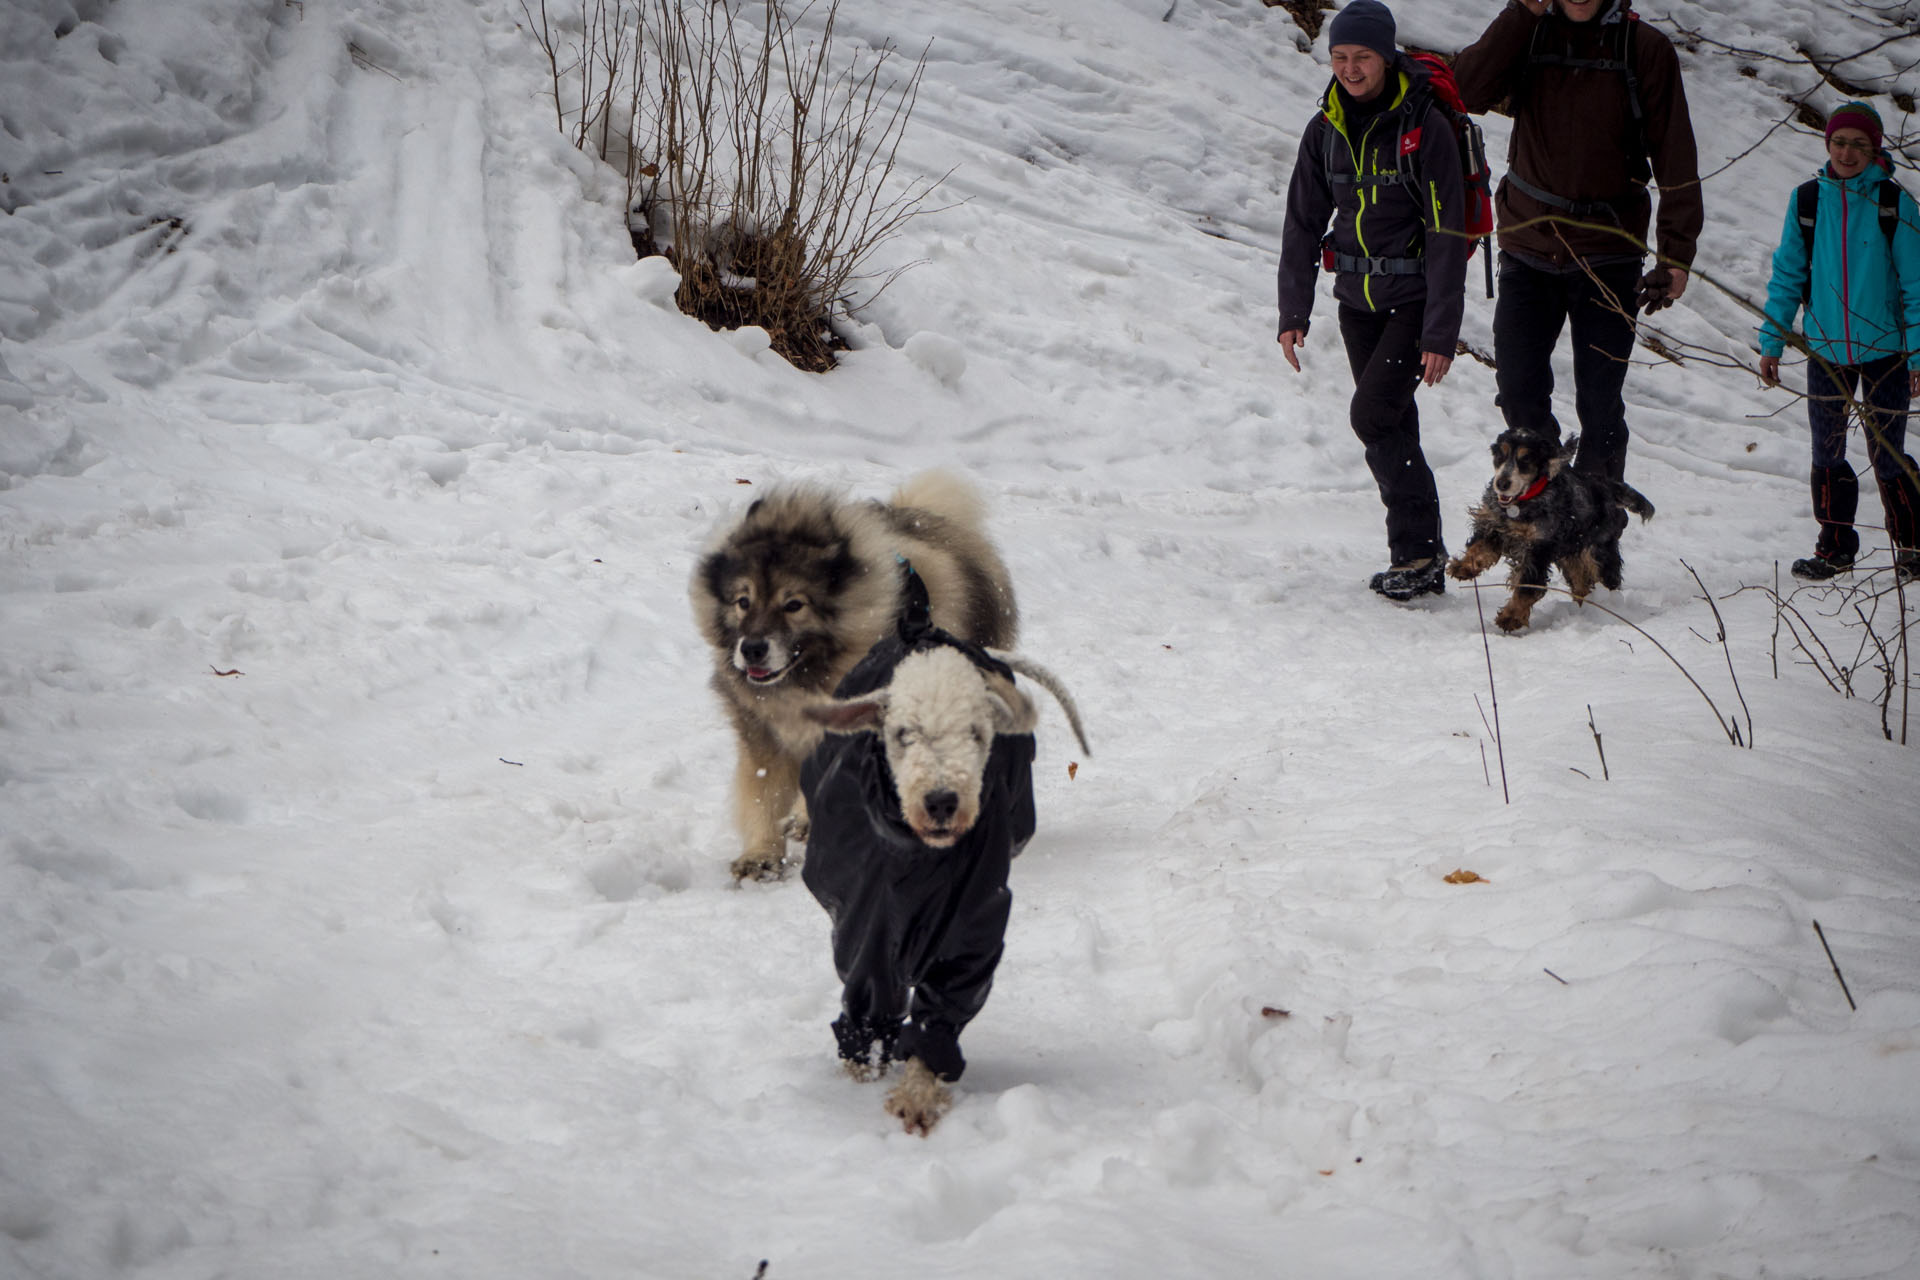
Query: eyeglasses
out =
(1851, 144)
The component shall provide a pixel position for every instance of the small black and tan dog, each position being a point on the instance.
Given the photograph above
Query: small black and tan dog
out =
(1538, 512)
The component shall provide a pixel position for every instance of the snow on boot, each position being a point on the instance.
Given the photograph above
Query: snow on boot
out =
(1423, 577)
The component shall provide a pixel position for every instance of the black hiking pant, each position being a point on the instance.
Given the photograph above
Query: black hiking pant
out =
(1876, 393)
(1383, 349)
(1532, 309)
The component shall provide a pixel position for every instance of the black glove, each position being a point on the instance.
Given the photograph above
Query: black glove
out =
(1652, 294)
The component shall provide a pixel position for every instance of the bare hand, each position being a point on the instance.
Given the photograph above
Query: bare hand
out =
(1913, 382)
(1770, 371)
(1288, 341)
(1433, 367)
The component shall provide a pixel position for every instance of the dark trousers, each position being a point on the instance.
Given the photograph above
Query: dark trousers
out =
(1383, 349)
(1532, 309)
(1875, 391)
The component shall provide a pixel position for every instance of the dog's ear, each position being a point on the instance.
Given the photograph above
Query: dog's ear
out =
(849, 715)
(716, 573)
(838, 566)
(1013, 711)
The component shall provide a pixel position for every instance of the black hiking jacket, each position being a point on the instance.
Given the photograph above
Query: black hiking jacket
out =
(1350, 181)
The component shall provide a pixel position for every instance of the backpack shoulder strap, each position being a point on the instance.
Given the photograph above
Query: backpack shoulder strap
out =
(1629, 36)
(1806, 205)
(1626, 34)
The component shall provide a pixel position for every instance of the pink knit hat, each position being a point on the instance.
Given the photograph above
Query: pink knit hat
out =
(1856, 115)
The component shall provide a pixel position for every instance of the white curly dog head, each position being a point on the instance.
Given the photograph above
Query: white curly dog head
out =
(936, 720)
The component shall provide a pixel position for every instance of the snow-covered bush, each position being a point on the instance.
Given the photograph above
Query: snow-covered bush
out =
(759, 162)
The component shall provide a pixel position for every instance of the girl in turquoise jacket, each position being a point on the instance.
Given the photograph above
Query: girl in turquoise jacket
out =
(1850, 255)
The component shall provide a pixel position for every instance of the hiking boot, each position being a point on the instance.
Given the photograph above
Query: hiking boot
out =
(1822, 566)
(1423, 577)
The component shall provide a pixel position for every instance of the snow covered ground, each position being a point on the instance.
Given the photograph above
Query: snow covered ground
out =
(363, 829)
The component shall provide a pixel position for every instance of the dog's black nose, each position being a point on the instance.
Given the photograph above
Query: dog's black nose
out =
(941, 806)
(754, 649)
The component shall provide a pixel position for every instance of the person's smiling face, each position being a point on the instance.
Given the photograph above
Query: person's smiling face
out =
(1850, 151)
(1581, 10)
(1360, 71)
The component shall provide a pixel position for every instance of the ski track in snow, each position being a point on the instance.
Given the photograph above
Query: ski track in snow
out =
(363, 900)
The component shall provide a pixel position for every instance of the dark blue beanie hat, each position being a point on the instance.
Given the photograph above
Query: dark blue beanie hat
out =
(1363, 22)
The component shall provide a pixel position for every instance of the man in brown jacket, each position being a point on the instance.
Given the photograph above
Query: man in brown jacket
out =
(1598, 111)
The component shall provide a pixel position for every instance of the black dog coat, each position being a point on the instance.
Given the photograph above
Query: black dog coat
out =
(917, 931)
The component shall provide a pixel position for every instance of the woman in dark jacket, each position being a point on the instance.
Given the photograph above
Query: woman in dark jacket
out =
(1380, 162)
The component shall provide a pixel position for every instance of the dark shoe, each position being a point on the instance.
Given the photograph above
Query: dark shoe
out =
(1906, 566)
(1823, 566)
(1424, 577)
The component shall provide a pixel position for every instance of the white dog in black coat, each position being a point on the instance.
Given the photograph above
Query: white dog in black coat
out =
(920, 797)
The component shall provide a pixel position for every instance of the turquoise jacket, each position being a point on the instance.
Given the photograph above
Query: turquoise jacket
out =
(1863, 288)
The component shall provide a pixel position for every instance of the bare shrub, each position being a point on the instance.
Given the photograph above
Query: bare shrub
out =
(757, 160)
(1869, 643)
(1308, 15)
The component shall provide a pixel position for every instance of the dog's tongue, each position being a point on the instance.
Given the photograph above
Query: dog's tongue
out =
(759, 673)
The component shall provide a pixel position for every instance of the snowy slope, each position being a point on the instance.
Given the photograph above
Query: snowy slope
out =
(363, 829)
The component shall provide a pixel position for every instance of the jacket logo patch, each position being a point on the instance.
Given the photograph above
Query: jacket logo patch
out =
(1410, 142)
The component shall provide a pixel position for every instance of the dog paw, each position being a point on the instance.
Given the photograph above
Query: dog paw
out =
(1511, 619)
(795, 826)
(919, 1100)
(768, 864)
(1474, 561)
(864, 1072)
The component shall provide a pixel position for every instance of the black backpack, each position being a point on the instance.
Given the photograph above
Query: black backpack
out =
(1625, 27)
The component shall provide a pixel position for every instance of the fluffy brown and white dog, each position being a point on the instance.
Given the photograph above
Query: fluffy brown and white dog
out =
(1537, 513)
(794, 591)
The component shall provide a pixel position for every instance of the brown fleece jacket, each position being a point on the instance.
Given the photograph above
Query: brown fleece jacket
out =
(1574, 136)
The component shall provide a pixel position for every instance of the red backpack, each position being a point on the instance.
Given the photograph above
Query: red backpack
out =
(1478, 182)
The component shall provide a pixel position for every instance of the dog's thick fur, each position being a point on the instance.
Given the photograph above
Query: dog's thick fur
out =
(793, 592)
(919, 1100)
(1574, 522)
